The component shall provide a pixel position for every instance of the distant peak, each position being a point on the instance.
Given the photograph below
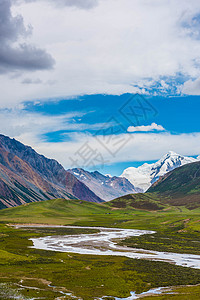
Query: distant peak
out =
(97, 172)
(108, 175)
(172, 153)
(76, 170)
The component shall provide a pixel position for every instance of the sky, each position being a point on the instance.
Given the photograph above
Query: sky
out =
(101, 84)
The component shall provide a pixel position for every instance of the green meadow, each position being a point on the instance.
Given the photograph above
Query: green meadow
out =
(33, 274)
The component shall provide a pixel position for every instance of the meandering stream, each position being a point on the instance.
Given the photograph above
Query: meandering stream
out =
(105, 243)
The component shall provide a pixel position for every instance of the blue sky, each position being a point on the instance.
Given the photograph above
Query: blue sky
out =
(177, 114)
(69, 90)
(89, 113)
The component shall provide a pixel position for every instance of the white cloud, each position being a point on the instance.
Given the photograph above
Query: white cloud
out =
(143, 147)
(108, 49)
(140, 146)
(28, 128)
(152, 127)
(191, 87)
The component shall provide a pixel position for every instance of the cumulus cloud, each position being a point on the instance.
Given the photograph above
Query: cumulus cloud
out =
(18, 56)
(152, 127)
(115, 48)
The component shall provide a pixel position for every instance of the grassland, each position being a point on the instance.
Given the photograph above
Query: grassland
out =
(66, 212)
(90, 277)
(177, 228)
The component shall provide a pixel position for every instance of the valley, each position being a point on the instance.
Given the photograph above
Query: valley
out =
(99, 150)
(60, 239)
(88, 276)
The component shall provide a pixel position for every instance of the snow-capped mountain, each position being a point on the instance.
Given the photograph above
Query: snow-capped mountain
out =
(144, 176)
(105, 186)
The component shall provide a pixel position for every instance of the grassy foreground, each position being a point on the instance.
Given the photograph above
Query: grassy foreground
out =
(48, 274)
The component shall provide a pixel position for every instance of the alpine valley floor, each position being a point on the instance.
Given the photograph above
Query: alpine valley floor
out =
(29, 273)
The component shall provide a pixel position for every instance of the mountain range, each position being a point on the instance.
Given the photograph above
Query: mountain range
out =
(26, 176)
(144, 176)
(105, 186)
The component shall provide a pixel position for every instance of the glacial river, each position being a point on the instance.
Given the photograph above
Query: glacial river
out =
(105, 243)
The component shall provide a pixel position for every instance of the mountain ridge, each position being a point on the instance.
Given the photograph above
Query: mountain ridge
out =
(26, 176)
(105, 186)
(181, 186)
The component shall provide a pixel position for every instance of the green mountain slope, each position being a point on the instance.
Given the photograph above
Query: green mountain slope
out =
(148, 201)
(56, 211)
(180, 187)
(63, 211)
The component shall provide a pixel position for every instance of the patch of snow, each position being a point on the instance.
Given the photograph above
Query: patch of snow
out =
(77, 174)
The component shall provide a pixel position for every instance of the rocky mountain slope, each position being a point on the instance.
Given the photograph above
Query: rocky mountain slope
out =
(180, 186)
(26, 176)
(106, 187)
(144, 176)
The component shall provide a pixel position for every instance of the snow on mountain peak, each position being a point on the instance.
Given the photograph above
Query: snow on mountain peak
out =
(172, 153)
(145, 175)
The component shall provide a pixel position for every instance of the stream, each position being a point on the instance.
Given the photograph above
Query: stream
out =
(105, 243)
